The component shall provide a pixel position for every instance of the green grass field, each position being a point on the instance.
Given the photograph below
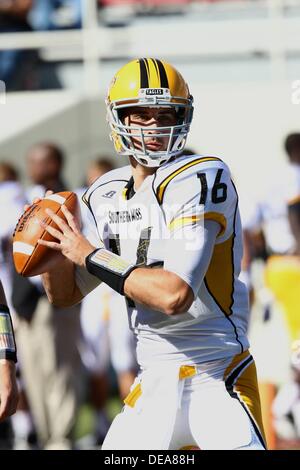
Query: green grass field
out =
(86, 418)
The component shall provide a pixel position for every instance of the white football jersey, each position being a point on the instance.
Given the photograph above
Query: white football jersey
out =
(158, 226)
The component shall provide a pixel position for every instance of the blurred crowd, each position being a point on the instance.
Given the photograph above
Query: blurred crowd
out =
(81, 356)
(23, 69)
(29, 69)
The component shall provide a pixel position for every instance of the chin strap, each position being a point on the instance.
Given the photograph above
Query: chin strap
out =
(110, 268)
(8, 348)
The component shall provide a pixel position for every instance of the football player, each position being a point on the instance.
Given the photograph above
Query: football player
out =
(166, 234)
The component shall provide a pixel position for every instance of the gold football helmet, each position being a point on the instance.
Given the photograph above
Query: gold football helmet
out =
(149, 83)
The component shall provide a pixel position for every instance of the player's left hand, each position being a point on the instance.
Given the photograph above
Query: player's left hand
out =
(71, 243)
(9, 394)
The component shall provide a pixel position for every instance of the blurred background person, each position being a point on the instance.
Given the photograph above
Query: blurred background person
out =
(286, 406)
(272, 234)
(271, 216)
(45, 163)
(26, 68)
(48, 333)
(12, 200)
(55, 14)
(107, 338)
(8, 356)
(292, 148)
(14, 63)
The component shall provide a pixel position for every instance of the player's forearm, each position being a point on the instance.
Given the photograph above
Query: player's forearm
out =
(159, 289)
(7, 370)
(60, 285)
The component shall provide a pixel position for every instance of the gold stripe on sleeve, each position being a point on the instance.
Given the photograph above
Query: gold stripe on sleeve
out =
(189, 220)
(183, 221)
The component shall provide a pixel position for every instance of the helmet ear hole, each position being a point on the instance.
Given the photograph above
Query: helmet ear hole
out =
(181, 115)
(122, 114)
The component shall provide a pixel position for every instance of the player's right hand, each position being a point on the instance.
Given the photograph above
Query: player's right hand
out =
(69, 239)
(36, 200)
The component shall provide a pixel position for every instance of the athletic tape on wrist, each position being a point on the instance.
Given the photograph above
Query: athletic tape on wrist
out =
(7, 339)
(110, 268)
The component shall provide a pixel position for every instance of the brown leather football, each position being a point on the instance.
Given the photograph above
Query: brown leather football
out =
(30, 258)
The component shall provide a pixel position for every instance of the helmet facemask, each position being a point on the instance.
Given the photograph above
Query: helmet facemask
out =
(123, 135)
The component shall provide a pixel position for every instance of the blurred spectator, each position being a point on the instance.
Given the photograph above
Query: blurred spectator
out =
(272, 225)
(282, 277)
(121, 12)
(272, 232)
(13, 19)
(56, 14)
(7, 172)
(44, 166)
(282, 273)
(272, 214)
(96, 169)
(143, 3)
(292, 147)
(286, 406)
(23, 69)
(48, 336)
(12, 200)
(106, 333)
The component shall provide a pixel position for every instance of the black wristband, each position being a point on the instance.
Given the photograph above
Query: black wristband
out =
(110, 268)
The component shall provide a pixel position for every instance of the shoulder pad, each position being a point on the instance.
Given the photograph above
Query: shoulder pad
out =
(180, 170)
(119, 174)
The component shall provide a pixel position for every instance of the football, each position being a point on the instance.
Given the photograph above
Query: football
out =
(30, 258)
